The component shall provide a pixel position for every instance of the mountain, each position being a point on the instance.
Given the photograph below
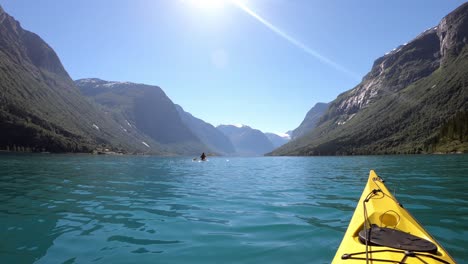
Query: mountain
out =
(40, 107)
(146, 109)
(246, 140)
(414, 100)
(310, 121)
(278, 140)
(207, 133)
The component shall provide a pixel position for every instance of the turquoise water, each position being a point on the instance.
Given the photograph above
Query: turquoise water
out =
(103, 209)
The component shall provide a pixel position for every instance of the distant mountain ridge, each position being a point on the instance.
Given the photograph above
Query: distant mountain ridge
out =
(277, 140)
(207, 133)
(145, 109)
(403, 102)
(246, 140)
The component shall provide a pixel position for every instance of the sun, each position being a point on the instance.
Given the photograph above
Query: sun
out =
(213, 6)
(208, 4)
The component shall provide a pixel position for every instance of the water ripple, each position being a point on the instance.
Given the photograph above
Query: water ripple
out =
(136, 241)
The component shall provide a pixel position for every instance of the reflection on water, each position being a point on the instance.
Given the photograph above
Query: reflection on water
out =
(83, 209)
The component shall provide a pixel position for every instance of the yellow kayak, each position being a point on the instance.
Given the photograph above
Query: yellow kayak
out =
(382, 231)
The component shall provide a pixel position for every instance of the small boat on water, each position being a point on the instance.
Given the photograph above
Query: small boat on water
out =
(383, 231)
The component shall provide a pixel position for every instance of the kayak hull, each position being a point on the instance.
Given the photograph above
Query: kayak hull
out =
(378, 209)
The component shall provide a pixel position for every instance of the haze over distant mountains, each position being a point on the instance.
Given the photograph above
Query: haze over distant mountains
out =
(246, 140)
(208, 134)
(146, 109)
(414, 100)
(278, 140)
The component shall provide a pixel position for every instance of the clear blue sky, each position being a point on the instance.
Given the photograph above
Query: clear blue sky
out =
(263, 64)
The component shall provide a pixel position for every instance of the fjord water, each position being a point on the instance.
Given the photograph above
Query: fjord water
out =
(131, 209)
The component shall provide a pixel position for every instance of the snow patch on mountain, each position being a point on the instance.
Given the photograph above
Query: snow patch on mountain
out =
(283, 135)
(89, 80)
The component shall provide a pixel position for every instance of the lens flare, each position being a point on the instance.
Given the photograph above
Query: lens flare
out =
(294, 41)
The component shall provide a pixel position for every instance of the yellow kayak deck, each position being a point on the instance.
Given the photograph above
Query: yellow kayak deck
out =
(378, 211)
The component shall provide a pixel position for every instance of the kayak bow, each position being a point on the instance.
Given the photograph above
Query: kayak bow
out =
(382, 231)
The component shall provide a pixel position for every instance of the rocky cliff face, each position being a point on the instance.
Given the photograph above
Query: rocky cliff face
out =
(452, 32)
(403, 101)
(407, 63)
(391, 73)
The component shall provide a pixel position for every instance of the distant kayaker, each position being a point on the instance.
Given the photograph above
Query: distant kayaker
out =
(203, 156)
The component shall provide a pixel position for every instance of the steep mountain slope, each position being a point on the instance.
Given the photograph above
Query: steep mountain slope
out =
(207, 133)
(246, 140)
(40, 107)
(146, 109)
(402, 105)
(310, 121)
(277, 140)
